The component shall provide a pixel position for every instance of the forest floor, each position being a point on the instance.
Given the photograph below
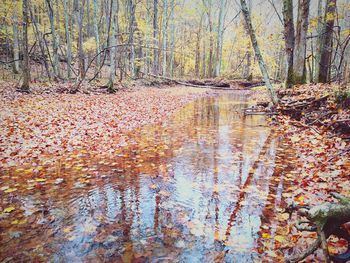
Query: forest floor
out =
(315, 118)
(49, 121)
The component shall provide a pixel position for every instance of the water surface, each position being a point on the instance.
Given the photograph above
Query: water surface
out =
(199, 188)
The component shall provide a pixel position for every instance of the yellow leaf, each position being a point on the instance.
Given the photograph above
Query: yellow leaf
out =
(40, 179)
(283, 217)
(15, 222)
(10, 190)
(9, 209)
(280, 239)
(266, 235)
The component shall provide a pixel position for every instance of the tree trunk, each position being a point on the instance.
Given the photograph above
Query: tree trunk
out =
(79, 15)
(198, 48)
(97, 35)
(289, 39)
(147, 37)
(131, 7)
(319, 40)
(220, 36)
(15, 42)
(66, 4)
(204, 56)
(258, 55)
(299, 62)
(113, 38)
(55, 62)
(326, 42)
(25, 66)
(155, 37)
(172, 39)
(164, 29)
(39, 39)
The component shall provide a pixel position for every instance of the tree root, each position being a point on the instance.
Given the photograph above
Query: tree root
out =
(326, 219)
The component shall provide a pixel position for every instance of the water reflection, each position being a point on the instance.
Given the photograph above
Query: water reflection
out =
(197, 188)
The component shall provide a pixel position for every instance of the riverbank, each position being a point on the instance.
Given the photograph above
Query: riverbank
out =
(54, 124)
(314, 121)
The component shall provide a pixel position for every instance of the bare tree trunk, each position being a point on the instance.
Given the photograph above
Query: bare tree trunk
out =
(131, 6)
(220, 36)
(289, 39)
(198, 48)
(39, 38)
(113, 38)
(319, 39)
(299, 63)
(155, 37)
(66, 4)
(79, 15)
(258, 55)
(165, 35)
(25, 66)
(147, 37)
(97, 36)
(326, 43)
(204, 56)
(55, 62)
(15, 42)
(172, 39)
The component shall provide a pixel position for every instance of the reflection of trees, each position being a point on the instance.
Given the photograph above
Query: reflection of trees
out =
(248, 182)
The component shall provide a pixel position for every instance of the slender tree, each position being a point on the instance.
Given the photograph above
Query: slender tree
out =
(15, 42)
(55, 61)
(97, 34)
(113, 39)
(155, 37)
(299, 63)
(258, 55)
(66, 4)
(165, 35)
(220, 37)
(319, 39)
(326, 42)
(172, 38)
(289, 39)
(40, 41)
(25, 65)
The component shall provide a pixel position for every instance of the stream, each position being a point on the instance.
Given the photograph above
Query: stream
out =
(200, 187)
